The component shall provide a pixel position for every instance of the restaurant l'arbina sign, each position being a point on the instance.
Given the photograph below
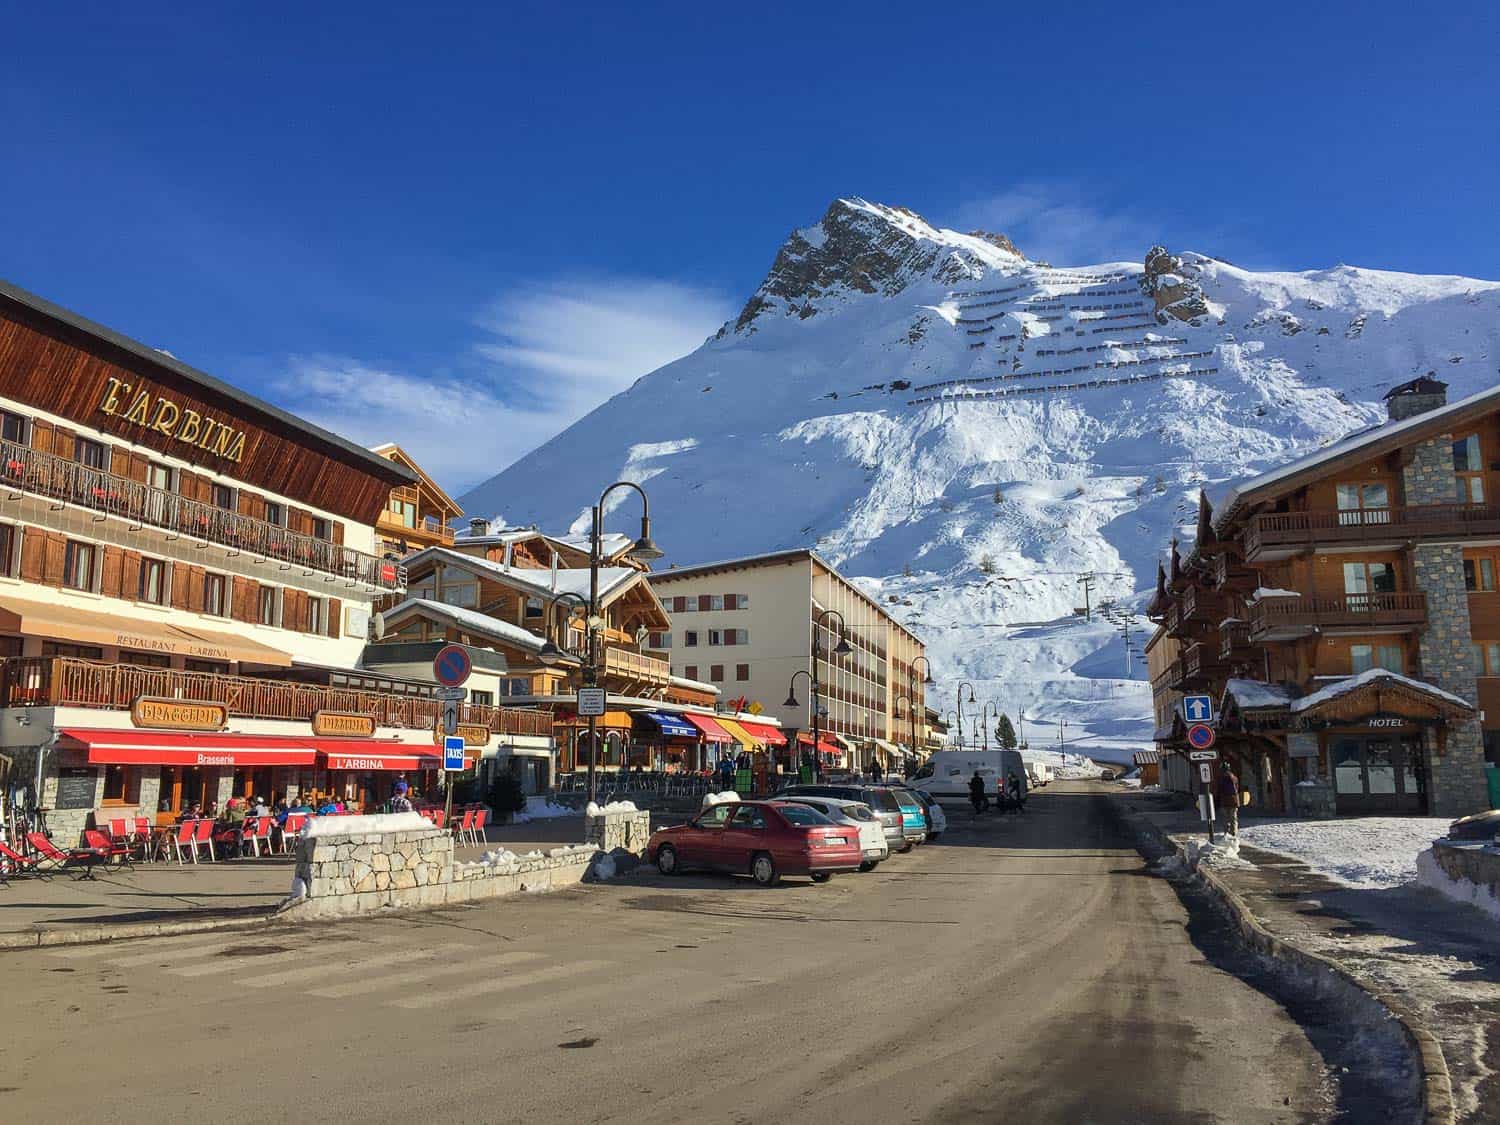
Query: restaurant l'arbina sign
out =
(159, 413)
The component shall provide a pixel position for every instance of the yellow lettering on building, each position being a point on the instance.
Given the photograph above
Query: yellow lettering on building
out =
(139, 409)
(167, 417)
(163, 421)
(221, 443)
(192, 422)
(236, 451)
(110, 403)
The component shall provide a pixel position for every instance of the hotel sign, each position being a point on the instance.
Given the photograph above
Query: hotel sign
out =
(472, 733)
(343, 724)
(160, 414)
(178, 714)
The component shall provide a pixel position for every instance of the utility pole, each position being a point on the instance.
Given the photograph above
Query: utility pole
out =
(1087, 582)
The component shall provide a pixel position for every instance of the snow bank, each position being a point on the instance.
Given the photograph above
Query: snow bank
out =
(540, 808)
(1369, 852)
(1430, 874)
(595, 809)
(363, 825)
(604, 866)
(1224, 852)
(724, 798)
(499, 857)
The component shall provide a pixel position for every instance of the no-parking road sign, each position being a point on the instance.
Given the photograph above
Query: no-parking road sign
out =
(451, 666)
(1200, 736)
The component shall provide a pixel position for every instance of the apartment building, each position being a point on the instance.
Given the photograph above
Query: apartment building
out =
(418, 514)
(1343, 613)
(186, 581)
(746, 626)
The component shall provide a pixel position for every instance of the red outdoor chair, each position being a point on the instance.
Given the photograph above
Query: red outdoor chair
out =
(465, 827)
(261, 832)
(291, 831)
(203, 837)
(142, 836)
(113, 847)
(477, 832)
(186, 840)
(80, 861)
(18, 864)
(119, 829)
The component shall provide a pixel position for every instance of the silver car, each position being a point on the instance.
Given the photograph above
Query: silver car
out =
(881, 801)
(855, 814)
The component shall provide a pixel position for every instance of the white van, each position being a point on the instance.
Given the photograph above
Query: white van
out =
(1040, 774)
(945, 776)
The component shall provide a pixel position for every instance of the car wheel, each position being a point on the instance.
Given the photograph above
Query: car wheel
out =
(666, 860)
(906, 848)
(821, 876)
(868, 865)
(763, 869)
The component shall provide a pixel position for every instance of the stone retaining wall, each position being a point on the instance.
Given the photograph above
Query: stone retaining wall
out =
(623, 831)
(358, 872)
(1477, 862)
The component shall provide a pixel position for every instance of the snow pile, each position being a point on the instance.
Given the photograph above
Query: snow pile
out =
(541, 808)
(593, 808)
(364, 825)
(500, 857)
(604, 866)
(1429, 874)
(724, 798)
(1224, 852)
(1377, 851)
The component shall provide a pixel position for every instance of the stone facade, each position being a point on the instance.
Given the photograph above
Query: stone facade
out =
(1477, 862)
(363, 871)
(624, 831)
(1429, 478)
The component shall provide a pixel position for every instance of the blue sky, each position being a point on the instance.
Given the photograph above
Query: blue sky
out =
(421, 221)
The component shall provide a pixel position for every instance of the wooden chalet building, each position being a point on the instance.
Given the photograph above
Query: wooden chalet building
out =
(419, 513)
(1343, 612)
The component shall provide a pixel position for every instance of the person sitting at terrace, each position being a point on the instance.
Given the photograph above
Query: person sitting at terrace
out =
(234, 812)
(400, 802)
(259, 807)
(329, 807)
(191, 812)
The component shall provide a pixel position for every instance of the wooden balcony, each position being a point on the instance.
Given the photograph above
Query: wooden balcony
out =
(1286, 618)
(1280, 534)
(25, 470)
(636, 666)
(1169, 676)
(1234, 641)
(68, 682)
(429, 531)
(1200, 666)
(1227, 572)
(1202, 604)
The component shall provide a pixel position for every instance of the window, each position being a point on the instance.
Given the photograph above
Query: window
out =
(715, 817)
(212, 667)
(482, 698)
(153, 582)
(159, 476)
(679, 605)
(703, 600)
(316, 622)
(122, 785)
(12, 427)
(741, 672)
(715, 601)
(275, 513)
(1479, 574)
(266, 607)
(222, 496)
(406, 511)
(751, 816)
(145, 659)
(736, 637)
(90, 453)
(533, 607)
(736, 601)
(1368, 578)
(690, 638)
(1364, 657)
(1470, 469)
(1364, 503)
(78, 566)
(63, 648)
(1486, 658)
(320, 528)
(7, 549)
(660, 640)
(690, 672)
(216, 595)
(715, 637)
(515, 685)
(461, 593)
(716, 673)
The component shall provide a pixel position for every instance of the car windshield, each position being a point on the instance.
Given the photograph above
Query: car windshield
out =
(857, 812)
(883, 799)
(801, 814)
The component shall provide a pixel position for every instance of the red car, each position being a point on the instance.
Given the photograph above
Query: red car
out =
(766, 839)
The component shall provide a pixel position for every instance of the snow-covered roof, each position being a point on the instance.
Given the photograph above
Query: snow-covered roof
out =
(1375, 675)
(612, 579)
(469, 620)
(1364, 442)
(1253, 695)
(611, 542)
(683, 681)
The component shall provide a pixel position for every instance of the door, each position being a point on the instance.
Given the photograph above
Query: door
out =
(743, 837)
(699, 845)
(1381, 774)
(1364, 503)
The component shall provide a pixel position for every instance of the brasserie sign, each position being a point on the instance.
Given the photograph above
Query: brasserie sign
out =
(161, 414)
(178, 714)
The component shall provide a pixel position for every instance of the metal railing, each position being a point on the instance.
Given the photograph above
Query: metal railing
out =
(72, 482)
(1367, 525)
(62, 681)
(1344, 609)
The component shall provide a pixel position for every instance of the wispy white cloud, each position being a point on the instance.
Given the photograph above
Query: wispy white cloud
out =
(1057, 223)
(542, 357)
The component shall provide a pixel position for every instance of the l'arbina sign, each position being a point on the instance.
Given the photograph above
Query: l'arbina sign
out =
(159, 413)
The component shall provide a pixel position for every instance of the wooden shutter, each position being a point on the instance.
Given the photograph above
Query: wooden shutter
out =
(251, 505)
(245, 604)
(187, 484)
(114, 571)
(336, 532)
(294, 610)
(64, 443)
(704, 600)
(119, 460)
(335, 617)
(41, 436)
(57, 546)
(130, 576)
(196, 575)
(181, 586)
(137, 470)
(33, 554)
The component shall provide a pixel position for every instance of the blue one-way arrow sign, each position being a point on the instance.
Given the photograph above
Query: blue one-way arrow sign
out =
(1197, 708)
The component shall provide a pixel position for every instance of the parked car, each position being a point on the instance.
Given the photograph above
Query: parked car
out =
(882, 803)
(872, 843)
(765, 839)
(937, 820)
(913, 815)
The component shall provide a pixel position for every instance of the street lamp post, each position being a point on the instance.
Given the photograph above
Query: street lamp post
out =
(972, 699)
(551, 653)
(791, 701)
(644, 549)
(986, 719)
(954, 726)
(840, 649)
(911, 699)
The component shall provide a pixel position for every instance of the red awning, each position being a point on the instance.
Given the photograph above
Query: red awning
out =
(179, 748)
(804, 739)
(766, 733)
(367, 757)
(712, 731)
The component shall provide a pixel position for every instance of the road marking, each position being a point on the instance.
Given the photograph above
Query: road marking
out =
(497, 984)
(417, 976)
(111, 950)
(244, 961)
(323, 969)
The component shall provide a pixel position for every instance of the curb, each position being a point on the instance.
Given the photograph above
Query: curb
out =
(95, 935)
(1432, 1067)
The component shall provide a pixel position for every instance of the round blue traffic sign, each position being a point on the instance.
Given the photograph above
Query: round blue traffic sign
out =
(1200, 736)
(451, 666)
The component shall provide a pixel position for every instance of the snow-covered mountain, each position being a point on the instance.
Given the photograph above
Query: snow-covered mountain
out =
(970, 433)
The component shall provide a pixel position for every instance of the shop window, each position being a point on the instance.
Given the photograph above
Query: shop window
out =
(122, 785)
(1364, 657)
(216, 595)
(12, 427)
(266, 609)
(222, 496)
(1479, 574)
(741, 672)
(90, 453)
(690, 672)
(67, 648)
(78, 566)
(1364, 503)
(7, 550)
(153, 582)
(716, 673)
(145, 659)
(690, 639)
(275, 513)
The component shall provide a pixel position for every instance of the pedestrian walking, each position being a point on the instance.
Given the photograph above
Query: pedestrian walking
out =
(977, 794)
(1227, 795)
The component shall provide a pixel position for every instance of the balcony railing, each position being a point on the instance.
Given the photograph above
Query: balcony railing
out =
(1345, 610)
(636, 666)
(1202, 604)
(57, 478)
(1234, 637)
(1200, 662)
(1274, 530)
(69, 682)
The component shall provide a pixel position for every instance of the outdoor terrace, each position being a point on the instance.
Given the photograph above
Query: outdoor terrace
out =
(69, 682)
(1282, 618)
(1280, 534)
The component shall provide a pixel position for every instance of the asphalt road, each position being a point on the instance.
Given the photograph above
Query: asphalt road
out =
(1023, 969)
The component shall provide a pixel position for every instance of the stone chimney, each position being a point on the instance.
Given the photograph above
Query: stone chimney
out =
(479, 526)
(1416, 397)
